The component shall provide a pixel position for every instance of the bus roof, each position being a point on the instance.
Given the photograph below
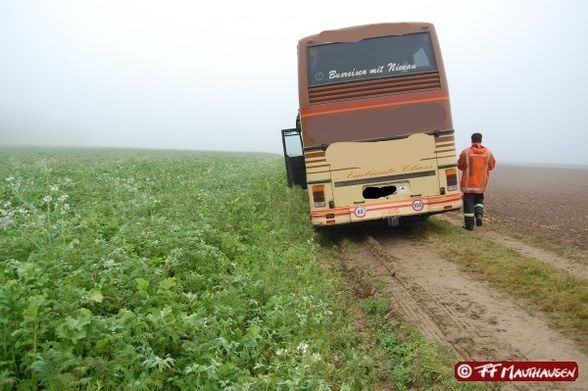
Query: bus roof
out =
(357, 33)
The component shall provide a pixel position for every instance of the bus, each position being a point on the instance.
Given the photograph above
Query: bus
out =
(374, 137)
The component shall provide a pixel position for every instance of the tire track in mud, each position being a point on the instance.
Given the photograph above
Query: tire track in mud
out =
(412, 306)
(471, 319)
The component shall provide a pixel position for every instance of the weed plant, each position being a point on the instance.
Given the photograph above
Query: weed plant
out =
(155, 270)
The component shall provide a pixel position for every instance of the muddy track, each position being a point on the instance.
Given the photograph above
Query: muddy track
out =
(467, 316)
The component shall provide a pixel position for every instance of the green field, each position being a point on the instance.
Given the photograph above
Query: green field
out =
(142, 270)
(147, 270)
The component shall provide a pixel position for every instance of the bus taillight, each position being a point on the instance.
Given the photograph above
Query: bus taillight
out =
(318, 195)
(451, 175)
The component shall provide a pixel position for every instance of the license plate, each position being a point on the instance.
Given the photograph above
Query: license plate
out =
(393, 221)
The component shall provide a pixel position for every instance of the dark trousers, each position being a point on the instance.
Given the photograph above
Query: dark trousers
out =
(473, 206)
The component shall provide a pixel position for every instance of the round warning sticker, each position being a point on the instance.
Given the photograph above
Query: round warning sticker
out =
(360, 212)
(418, 205)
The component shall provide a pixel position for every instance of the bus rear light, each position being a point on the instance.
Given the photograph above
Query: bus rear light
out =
(330, 215)
(318, 195)
(451, 175)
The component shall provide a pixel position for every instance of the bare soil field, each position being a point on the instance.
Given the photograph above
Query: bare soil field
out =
(543, 202)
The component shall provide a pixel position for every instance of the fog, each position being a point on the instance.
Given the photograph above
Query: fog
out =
(223, 76)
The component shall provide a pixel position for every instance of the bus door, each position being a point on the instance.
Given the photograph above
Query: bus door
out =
(294, 157)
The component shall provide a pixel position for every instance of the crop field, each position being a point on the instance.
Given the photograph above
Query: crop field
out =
(145, 270)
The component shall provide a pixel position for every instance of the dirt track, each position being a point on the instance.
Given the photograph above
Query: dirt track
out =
(448, 306)
(467, 316)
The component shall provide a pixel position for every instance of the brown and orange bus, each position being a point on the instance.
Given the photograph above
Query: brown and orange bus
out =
(374, 137)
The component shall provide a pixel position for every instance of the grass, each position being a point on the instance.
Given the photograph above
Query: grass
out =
(563, 298)
(160, 270)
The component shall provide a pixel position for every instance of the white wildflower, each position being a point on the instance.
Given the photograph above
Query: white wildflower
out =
(67, 180)
(280, 352)
(54, 188)
(5, 222)
(47, 199)
(316, 357)
(303, 347)
(109, 264)
(65, 208)
(7, 204)
(63, 197)
(10, 179)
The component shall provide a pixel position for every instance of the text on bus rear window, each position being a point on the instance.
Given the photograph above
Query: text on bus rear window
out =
(370, 58)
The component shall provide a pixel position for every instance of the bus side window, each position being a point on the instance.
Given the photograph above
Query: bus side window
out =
(293, 145)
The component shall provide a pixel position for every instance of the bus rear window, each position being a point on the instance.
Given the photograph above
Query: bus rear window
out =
(370, 58)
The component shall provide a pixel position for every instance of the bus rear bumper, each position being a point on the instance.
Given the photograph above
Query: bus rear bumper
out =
(381, 210)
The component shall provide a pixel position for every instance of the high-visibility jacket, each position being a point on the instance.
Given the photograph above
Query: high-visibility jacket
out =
(475, 163)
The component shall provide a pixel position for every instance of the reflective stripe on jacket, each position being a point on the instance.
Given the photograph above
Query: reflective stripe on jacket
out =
(475, 163)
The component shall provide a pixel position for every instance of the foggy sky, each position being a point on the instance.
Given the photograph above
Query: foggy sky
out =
(223, 76)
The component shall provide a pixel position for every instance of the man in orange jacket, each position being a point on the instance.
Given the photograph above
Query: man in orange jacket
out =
(475, 162)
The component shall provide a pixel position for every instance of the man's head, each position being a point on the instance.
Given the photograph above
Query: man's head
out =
(477, 138)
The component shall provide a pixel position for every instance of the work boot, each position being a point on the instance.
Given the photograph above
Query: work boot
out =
(479, 220)
(468, 222)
